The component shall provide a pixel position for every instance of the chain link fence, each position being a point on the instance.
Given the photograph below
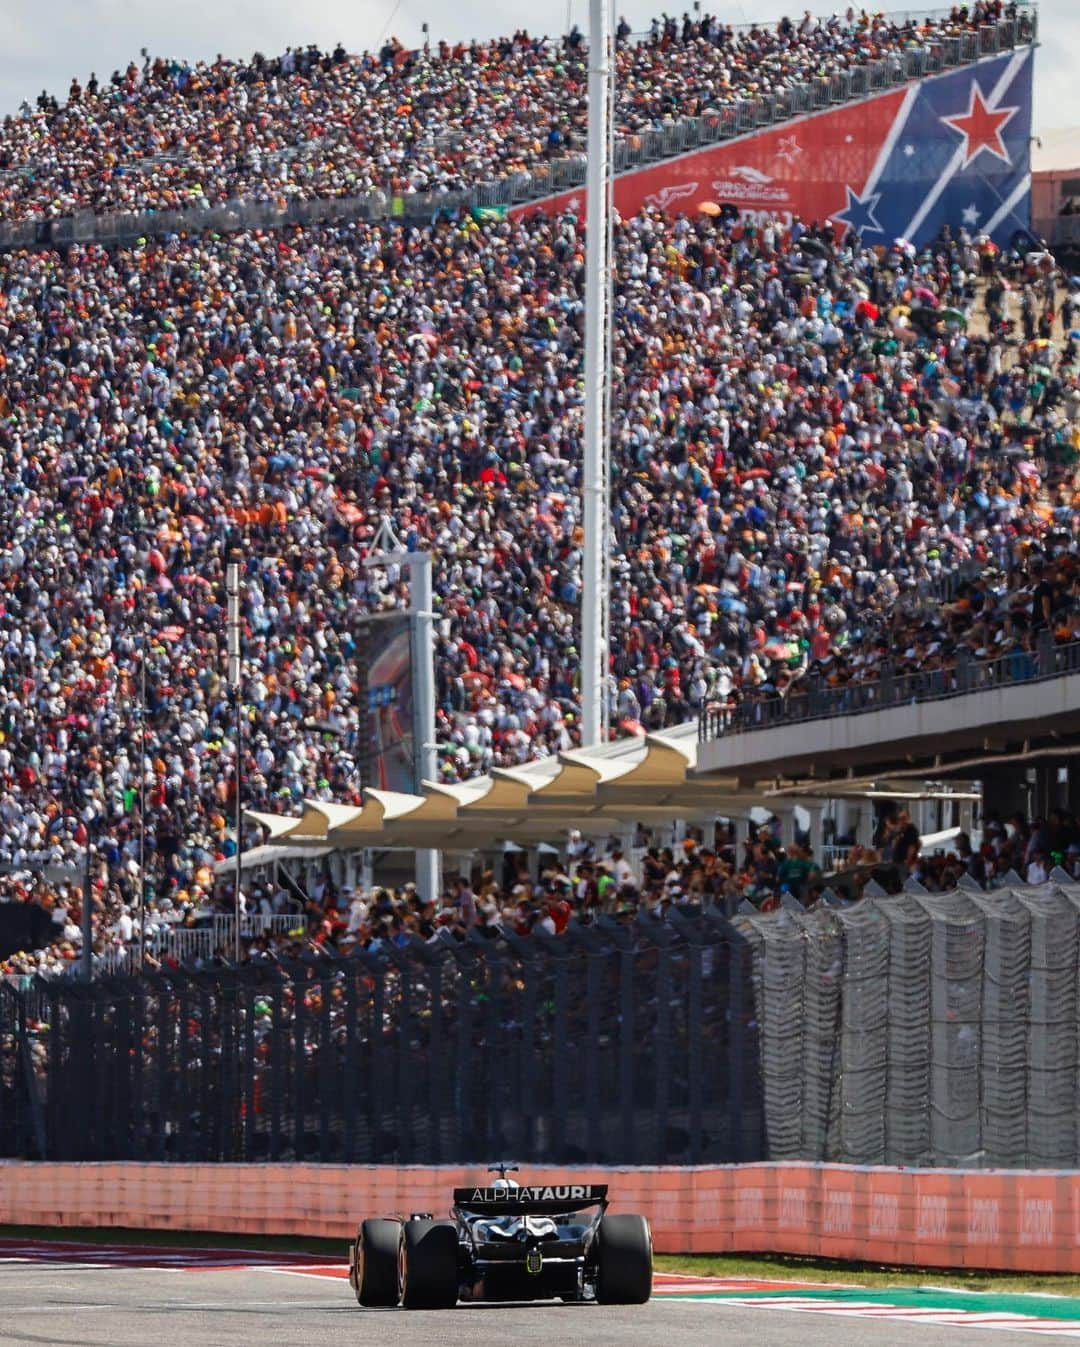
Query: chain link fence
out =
(909, 1029)
(923, 1030)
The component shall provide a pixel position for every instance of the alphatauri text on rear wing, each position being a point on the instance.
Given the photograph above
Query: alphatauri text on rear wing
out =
(537, 1199)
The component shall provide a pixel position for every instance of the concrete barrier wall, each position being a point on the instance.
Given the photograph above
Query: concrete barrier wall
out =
(1017, 1220)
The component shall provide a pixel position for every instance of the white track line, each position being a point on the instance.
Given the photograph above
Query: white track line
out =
(1019, 1323)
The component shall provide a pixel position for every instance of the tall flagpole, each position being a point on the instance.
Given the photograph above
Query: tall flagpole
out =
(595, 485)
(609, 332)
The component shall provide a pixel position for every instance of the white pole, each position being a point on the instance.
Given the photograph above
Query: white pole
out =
(142, 801)
(609, 342)
(232, 591)
(421, 589)
(594, 487)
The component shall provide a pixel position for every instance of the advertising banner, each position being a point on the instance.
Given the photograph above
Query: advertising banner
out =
(386, 662)
(954, 149)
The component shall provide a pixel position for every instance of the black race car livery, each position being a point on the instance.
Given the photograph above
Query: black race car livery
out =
(506, 1242)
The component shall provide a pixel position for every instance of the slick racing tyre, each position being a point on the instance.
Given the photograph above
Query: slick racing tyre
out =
(429, 1265)
(624, 1261)
(378, 1263)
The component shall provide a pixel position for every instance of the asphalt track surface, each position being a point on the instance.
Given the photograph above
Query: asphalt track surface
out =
(65, 1306)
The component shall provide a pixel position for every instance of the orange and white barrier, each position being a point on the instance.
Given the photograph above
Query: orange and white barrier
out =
(1027, 1221)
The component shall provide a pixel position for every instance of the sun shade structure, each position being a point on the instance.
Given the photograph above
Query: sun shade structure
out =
(650, 779)
(276, 825)
(581, 772)
(511, 789)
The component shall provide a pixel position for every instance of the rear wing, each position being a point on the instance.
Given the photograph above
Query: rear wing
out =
(537, 1199)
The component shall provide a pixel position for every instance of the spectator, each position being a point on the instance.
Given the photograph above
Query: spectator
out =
(809, 441)
(307, 124)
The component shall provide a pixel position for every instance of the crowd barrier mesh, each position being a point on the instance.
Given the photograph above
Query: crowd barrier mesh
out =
(923, 1030)
(909, 1029)
(607, 1044)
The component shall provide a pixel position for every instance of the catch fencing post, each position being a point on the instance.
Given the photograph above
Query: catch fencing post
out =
(232, 590)
(626, 1052)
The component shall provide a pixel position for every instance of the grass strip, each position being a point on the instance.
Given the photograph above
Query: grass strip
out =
(780, 1268)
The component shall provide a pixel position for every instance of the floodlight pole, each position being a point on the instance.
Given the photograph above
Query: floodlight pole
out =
(387, 551)
(232, 591)
(595, 486)
(142, 800)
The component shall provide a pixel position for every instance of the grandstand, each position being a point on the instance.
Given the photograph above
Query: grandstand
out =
(282, 309)
(845, 456)
(312, 137)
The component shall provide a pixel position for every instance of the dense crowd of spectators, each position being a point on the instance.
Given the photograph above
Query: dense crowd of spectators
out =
(1010, 849)
(165, 133)
(591, 881)
(808, 438)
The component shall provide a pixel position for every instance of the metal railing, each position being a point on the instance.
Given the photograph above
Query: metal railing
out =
(833, 857)
(947, 585)
(634, 148)
(812, 699)
(208, 938)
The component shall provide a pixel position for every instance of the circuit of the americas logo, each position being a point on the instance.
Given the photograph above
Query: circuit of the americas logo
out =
(745, 183)
(666, 195)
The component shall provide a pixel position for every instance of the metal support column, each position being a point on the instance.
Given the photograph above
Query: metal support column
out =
(387, 551)
(232, 588)
(428, 878)
(595, 484)
(142, 803)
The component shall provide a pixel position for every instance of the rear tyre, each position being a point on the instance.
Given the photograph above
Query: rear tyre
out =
(378, 1263)
(429, 1265)
(624, 1260)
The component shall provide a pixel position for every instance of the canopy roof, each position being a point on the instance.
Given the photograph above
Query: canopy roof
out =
(632, 780)
(650, 779)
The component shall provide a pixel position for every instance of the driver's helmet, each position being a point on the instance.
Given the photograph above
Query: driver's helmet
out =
(506, 1185)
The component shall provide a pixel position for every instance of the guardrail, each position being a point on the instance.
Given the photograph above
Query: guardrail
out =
(811, 699)
(833, 857)
(632, 149)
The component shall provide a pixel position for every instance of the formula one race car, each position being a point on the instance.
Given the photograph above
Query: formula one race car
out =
(506, 1242)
